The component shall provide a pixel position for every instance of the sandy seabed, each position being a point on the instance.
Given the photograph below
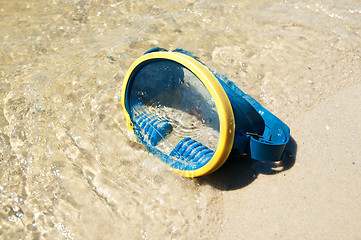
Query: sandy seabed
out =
(69, 171)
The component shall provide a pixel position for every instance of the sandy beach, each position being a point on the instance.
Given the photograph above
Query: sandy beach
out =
(68, 167)
(318, 197)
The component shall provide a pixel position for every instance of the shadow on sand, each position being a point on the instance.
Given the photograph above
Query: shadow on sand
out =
(239, 170)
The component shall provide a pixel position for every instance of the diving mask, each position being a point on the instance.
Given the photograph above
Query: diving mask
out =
(192, 118)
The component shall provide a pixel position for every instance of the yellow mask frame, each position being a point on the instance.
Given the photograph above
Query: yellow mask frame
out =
(223, 105)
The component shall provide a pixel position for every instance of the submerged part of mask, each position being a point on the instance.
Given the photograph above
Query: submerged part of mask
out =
(191, 118)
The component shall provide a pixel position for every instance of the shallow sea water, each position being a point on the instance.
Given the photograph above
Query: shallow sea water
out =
(67, 167)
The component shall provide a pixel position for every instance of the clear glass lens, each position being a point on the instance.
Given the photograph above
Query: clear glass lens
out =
(173, 112)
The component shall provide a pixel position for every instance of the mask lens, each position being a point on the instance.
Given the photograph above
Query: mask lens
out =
(173, 113)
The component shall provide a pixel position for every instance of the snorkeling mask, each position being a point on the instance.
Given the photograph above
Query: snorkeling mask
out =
(192, 118)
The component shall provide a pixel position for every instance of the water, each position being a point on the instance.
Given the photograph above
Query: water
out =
(67, 167)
